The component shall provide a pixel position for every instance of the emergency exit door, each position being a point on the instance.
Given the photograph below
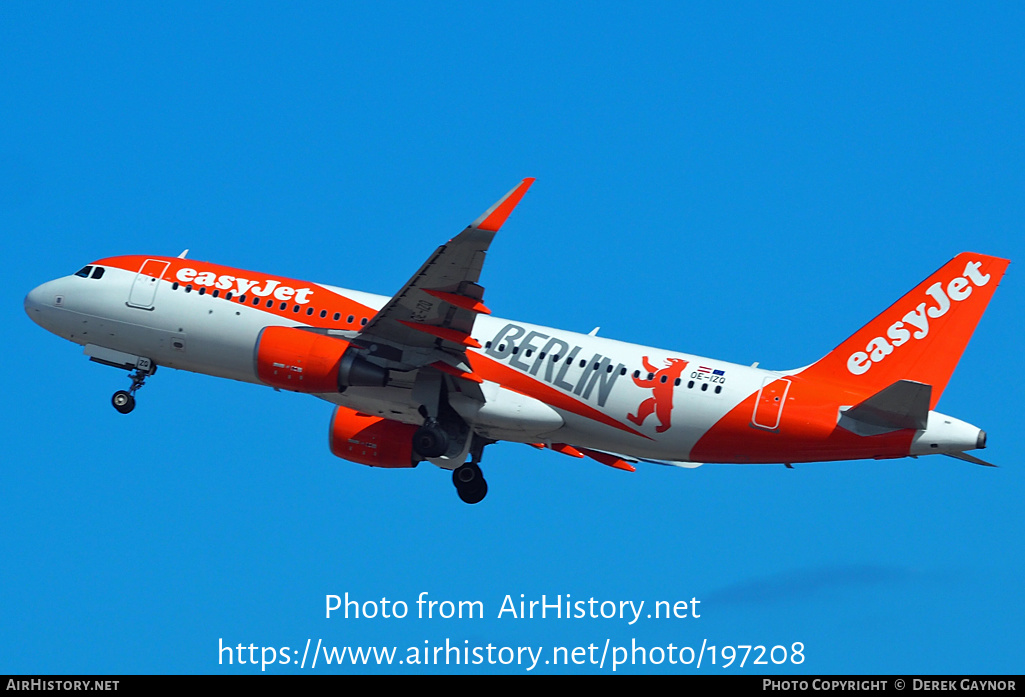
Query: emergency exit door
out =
(770, 402)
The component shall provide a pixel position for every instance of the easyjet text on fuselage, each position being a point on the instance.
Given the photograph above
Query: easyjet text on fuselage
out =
(242, 286)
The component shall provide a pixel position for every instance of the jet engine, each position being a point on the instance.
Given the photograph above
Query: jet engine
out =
(305, 361)
(371, 440)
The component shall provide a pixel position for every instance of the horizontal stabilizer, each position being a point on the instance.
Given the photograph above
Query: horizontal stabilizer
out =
(904, 404)
(970, 458)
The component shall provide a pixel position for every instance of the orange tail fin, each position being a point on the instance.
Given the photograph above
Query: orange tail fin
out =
(920, 337)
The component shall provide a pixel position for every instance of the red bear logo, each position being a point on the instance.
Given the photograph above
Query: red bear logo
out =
(662, 383)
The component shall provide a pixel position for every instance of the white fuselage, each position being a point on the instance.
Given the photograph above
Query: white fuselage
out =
(541, 384)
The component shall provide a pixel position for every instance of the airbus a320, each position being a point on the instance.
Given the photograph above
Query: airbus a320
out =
(429, 374)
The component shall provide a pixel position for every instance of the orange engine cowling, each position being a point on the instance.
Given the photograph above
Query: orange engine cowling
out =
(371, 440)
(305, 361)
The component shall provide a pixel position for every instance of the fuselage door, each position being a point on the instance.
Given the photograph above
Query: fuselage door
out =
(769, 404)
(144, 287)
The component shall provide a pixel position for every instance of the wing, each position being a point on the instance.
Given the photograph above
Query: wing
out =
(616, 460)
(429, 322)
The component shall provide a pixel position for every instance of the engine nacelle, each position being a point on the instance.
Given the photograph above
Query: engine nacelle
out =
(304, 361)
(371, 440)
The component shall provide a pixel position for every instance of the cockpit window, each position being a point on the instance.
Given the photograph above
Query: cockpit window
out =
(90, 271)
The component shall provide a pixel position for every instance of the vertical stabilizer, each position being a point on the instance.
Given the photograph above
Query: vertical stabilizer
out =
(921, 337)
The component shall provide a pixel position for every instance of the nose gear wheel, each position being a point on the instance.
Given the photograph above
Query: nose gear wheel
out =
(124, 400)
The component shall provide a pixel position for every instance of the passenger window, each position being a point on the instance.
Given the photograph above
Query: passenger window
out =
(270, 304)
(242, 299)
(174, 286)
(202, 291)
(282, 306)
(227, 296)
(704, 387)
(323, 313)
(216, 293)
(363, 321)
(352, 318)
(338, 316)
(690, 385)
(309, 311)
(188, 288)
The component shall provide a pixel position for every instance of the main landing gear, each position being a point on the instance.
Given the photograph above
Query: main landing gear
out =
(470, 483)
(469, 480)
(432, 441)
(124, 400)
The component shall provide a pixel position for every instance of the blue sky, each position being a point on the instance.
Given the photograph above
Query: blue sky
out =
(751, 182)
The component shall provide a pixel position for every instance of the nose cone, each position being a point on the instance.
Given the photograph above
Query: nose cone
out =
(33, 303)
(40, 301)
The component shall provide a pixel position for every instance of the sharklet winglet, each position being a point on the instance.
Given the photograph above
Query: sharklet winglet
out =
(495, 217)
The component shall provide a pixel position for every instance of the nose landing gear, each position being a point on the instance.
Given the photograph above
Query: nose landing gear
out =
(124, 400)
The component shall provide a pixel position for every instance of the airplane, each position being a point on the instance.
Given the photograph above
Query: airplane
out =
(429, 374)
